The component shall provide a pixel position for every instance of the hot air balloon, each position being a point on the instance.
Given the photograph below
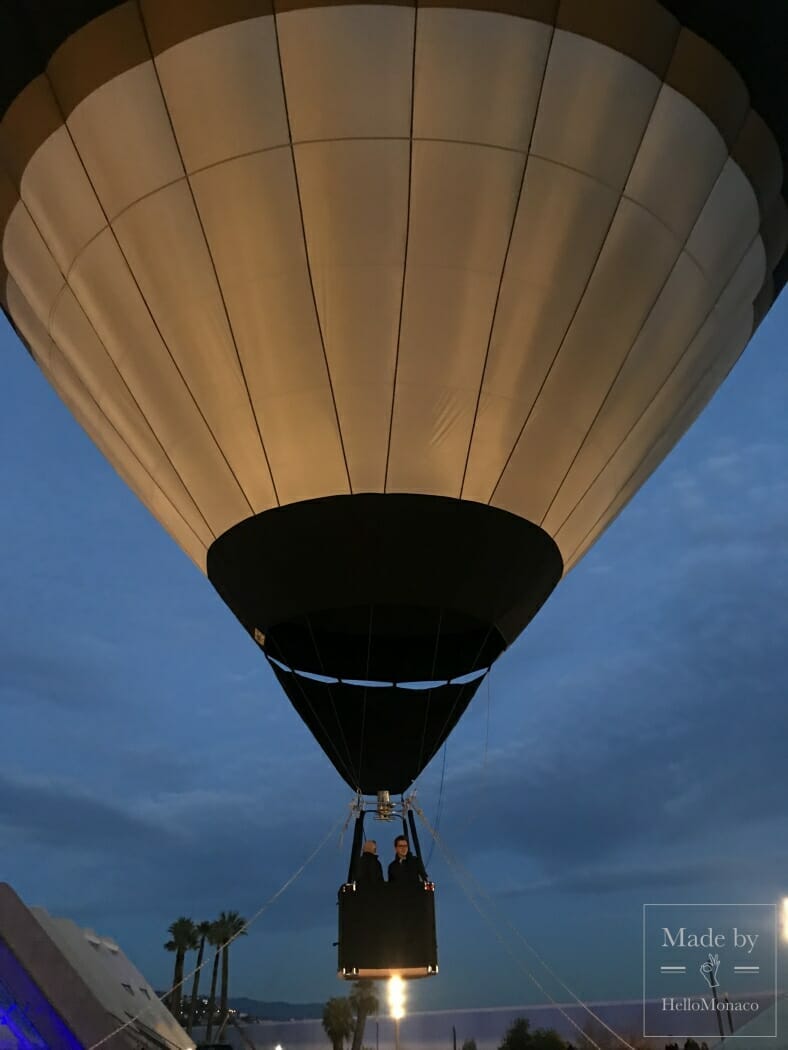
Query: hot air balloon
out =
(386, 310)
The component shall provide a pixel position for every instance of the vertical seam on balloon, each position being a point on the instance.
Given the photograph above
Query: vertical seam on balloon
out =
(109, 357)
(728, 157)
(318, 321)
(207, 248)
(345, 138)
(666, 428)
(580, 298)
(342, 138)
(670, 373)
(140, 292)
(360, 138)
(119, 436)
(628, 353)
(664, 433)
(675, 365)
(515, 213)
(101, 342)
(405, 250)
(661, 436)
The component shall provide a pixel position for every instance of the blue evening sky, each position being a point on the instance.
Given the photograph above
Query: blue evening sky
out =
(637, 731)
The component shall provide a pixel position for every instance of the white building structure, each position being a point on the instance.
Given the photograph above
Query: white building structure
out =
(63, 987)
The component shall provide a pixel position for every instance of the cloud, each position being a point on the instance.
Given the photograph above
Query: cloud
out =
(64, 678)
(57, 816)
(660, 714)
(656, 876)
(636, 730)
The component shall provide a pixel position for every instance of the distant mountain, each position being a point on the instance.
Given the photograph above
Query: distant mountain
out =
(278, 1011)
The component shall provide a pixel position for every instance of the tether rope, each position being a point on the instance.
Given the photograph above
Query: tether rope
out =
(486, 730)
(479, 794)
(439, 807)
(463, 875)
(461, 692)
(478, 809)
(210, 958)
(447, 722)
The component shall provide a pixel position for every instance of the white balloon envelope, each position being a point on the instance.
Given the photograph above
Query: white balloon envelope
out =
(496, 254)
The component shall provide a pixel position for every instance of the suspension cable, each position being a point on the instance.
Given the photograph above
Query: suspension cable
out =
(461, 692)
(475, 814)
(463, 876)
(349, 774)
(459, 696)
(508, 948)
(210, 958)
(478, 805)
(429, 695)
(486, 727)
(284, 661)
(333, 705)
(439, 806)
(364, 701)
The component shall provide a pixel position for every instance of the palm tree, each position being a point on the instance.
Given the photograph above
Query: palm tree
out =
(232, 926)
(203, 929)
(363, 1000)
(338, 1021)
(215, 938)
(183, 937)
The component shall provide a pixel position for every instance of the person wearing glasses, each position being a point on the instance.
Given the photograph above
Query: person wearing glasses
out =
(404, 869)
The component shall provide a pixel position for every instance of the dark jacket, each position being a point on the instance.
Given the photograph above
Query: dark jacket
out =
(405, 871)
(368, 870)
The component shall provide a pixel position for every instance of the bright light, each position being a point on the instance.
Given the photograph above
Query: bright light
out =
(396, 997)
(278, 1046)
(785, 918)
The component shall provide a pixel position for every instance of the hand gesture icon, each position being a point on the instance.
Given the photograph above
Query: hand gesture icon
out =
(709, 970)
